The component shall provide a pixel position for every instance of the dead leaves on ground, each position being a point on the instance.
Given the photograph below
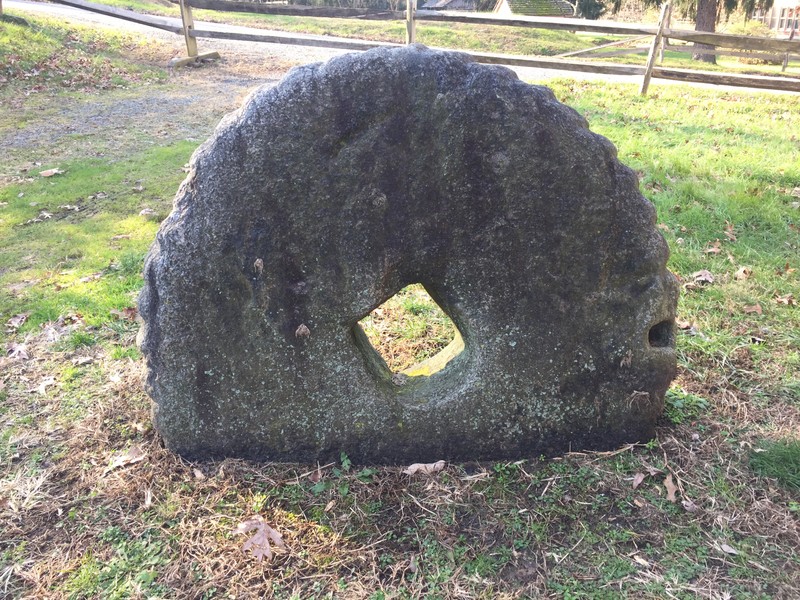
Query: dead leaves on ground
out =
(786, 299)
(17, 351)
(754, 309)
(16, 322)
(785, 271)
(133, 455)
(126, 314)
(259, 543)
(425, 468)
(671, 485)
(671, 488)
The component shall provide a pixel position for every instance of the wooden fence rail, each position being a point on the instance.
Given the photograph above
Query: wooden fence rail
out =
(126, 15)
(786, 48)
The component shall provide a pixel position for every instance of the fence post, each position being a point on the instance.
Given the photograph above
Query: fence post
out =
(411, 26)
(651, 57)
(785, 58)
(664, 40)
(188, 25)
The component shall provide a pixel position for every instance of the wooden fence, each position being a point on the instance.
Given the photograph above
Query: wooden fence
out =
(661, 34)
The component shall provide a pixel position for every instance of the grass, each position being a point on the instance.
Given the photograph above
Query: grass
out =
(779, 460)
(48, 52)
(683, 60)
(92, 506)
(408, 328)
(458, 36)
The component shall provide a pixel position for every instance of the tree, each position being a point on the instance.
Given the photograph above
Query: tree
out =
(588, 9)
(706, 15)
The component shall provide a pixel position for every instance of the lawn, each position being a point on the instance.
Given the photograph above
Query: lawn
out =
(92, 505)
(458, 36)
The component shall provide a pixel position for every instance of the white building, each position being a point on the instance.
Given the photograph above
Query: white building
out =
(782, 18)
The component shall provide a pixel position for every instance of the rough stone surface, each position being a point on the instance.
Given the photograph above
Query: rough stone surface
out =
(324, 196)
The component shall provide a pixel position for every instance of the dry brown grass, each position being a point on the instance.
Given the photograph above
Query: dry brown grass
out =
(506, 530)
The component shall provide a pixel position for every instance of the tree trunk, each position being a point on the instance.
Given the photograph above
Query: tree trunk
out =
(706, 21)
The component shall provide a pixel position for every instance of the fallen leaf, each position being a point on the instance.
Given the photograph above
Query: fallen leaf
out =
(146, 212)
(316, 475)
(45, 383)
(126, 314)
(82, 360)
(91, 277)
(703, 277)
(637, 480)
(714, 248)
(729, 232)
(259, 543)
(198, 474)
(728, 549)
(18, 352)
(689, 506)
(148, 498)
(684, 325)
(785, 270)
(639, 502)
(641, 561)
(671, 488)
(302, 331)
(754, 309)
(788, 299)
(663, 227)
(133, 455)
(743, 273)
(51, 172)
(425, 468)
(137, 188)
(16, 321)
(652, 471)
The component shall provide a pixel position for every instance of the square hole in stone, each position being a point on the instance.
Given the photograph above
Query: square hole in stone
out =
(412, 334)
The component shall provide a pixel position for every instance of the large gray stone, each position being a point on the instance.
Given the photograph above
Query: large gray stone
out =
(323, 196)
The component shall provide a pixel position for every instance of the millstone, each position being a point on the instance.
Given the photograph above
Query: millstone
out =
(324, 196)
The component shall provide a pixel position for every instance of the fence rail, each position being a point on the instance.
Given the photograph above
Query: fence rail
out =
(126, 15)
(295, 10)
(661, 35)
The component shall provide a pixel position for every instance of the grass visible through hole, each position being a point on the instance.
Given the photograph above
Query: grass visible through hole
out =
(408, 328)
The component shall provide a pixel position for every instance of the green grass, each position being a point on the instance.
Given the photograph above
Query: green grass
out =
(457, 36)
(408, 328)
(95, 255)
(48, 52)
(718, 165)
(683, 60)
(779, 460)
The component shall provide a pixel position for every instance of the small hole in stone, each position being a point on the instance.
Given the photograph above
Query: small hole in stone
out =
(412, 333)
(660, 336)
